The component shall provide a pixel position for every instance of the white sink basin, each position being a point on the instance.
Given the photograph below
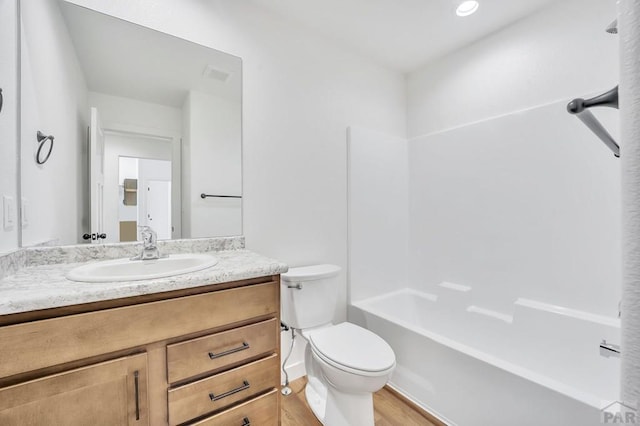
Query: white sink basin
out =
(134, 270)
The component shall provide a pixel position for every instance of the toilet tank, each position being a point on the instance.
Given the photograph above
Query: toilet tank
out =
(309, 295)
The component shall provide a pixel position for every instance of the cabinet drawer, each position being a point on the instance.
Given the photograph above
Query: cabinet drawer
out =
(112, 393)
(261, 411)
(34, 345)
(193, 357)
(218, 391)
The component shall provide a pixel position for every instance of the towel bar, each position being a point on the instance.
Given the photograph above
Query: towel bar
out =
(203, 196)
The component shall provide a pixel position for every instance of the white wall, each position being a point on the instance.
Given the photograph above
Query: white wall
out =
(56, 198)
(378, 213)
(133, 115)
(527, 203)
(560, 52)
(630, 90)
(212, 148)
(8, 118)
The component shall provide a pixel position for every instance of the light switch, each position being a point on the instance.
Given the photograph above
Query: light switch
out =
(8, 212)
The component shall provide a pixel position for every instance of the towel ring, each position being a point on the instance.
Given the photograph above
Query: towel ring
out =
(42, 140)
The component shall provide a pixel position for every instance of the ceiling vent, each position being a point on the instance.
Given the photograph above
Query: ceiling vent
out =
(215, 74)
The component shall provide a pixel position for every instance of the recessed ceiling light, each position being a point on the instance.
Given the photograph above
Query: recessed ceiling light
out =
(466, 8)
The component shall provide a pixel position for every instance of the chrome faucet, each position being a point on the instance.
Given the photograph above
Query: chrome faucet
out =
(149, 248)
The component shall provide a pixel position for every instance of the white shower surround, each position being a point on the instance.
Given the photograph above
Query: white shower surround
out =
(513, 223)
(471, 368)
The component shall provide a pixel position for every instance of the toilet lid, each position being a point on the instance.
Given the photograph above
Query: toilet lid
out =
(354, 347)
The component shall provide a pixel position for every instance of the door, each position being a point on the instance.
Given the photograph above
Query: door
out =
(111, 393)
(96, 175)
(158, 205)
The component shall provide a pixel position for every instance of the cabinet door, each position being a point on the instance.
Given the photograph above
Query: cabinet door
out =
(110, 393)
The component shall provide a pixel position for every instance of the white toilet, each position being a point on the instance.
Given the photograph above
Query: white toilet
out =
(345, 363)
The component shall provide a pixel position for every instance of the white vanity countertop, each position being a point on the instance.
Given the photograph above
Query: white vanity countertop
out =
(45, 286)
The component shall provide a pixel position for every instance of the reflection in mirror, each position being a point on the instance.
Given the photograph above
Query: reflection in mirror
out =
(8, 125)
(144, 123)
(148, 206)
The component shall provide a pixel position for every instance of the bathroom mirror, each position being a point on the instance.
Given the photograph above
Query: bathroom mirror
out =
(144, 123)
(8, 125)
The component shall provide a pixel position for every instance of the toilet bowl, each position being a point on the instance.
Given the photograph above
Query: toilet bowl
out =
(345, 363)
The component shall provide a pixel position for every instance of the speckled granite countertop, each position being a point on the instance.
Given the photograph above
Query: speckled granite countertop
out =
(41, 284)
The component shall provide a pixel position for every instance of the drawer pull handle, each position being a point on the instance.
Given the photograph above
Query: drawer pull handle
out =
(246, 422)
(245, 385)
(244, 346)
(137, 393)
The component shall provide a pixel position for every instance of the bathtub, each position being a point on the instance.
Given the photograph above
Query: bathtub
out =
(539, 365)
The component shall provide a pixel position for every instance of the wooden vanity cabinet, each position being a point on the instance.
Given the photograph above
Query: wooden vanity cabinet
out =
(108, 393)
(208, 355)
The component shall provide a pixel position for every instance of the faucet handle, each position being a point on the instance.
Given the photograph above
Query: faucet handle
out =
(149, 248)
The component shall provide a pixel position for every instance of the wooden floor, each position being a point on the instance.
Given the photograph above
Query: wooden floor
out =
(390, 409)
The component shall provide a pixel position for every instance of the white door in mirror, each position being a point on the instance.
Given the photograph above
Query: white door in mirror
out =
(134, 270)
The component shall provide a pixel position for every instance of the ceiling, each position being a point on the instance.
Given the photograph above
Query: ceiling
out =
(401, 34)
(123, 59)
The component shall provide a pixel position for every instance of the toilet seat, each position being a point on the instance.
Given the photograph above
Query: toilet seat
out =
(353, 349)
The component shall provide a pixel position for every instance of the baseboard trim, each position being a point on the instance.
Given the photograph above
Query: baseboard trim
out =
(295, 371)
(417, 407)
